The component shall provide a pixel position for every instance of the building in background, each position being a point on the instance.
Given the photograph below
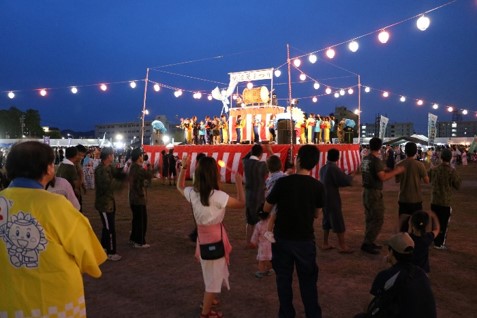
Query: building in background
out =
(457, 128)
(129, 133)
(392, 130)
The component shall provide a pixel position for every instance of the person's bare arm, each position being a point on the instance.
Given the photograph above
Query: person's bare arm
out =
(182, 174)
(239, 201)
(384, 176)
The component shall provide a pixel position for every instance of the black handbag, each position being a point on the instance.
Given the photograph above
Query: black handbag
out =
(211, 251)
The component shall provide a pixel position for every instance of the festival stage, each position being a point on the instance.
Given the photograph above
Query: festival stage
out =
(350, 158)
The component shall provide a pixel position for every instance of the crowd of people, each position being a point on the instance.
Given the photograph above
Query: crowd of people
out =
(309, 129)
(280, 210)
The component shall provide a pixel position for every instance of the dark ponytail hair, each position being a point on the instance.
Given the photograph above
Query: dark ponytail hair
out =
(419, 221)
(206, 179)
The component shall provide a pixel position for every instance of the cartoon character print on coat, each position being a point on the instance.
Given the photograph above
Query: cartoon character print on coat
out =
(23, 235)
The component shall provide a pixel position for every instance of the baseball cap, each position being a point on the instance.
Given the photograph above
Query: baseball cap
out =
(401, 243)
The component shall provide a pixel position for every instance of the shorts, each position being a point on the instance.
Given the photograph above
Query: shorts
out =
(333, 220)
(409, 208)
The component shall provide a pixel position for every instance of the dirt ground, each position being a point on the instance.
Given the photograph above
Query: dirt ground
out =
(166, 281)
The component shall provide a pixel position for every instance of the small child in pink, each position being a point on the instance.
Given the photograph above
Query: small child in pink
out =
(264, 255)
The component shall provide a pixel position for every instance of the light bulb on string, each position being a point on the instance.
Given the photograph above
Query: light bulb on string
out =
(277, 73)
(423, 23)
(330, 53)
(11, 95)
(350, 91)
(302, 76)
(312, 58)
(157, 87)
(450, 109)
(367, 89)
(342, 92)
(234, 96)
(465, 112)
(43, 92)
(337, 95)
(383, 36)
(328, 90)
(353, 46)
(132, 84)
(178, 93)
(297, 62)
(249, 85)
(356, 111)
(402, 99)
(316, 85)
(314, 99)
(420, 102)
(385, 94)
(74, 90)
(435, 106)
(209, 97)
(103, 87)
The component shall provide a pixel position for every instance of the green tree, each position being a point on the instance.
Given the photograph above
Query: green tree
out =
(32, 127)
(10, 123)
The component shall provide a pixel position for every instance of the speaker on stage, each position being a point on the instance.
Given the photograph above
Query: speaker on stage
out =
(284, 132)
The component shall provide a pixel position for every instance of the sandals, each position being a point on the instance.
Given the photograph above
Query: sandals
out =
(215, 303)
(212, 314)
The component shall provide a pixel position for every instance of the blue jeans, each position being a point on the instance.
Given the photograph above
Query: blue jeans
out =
(300, 254)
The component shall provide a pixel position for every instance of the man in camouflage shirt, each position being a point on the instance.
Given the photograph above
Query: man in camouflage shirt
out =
(444, 179)
(105, 203)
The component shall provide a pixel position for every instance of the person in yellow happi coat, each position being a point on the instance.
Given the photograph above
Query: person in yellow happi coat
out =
(45, 243)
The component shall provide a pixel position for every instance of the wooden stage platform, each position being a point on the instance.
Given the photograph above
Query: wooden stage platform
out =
(350, 158)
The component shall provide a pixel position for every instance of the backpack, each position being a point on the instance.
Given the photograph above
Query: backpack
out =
(386, 304)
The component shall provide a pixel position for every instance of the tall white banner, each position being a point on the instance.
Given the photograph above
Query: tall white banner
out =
(431, 128)
(383, 124)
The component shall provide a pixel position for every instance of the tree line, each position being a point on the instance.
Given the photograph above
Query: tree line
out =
(15, 124)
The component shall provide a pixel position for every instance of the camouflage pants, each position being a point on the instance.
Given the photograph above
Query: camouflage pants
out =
(374, 214)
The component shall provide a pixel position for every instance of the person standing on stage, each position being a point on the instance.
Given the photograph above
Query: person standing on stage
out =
(239, 124)
(257, 125)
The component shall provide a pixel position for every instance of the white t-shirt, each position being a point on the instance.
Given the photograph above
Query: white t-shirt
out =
(64, 188)
(207, 215)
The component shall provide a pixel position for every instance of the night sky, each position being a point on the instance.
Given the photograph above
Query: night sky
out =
(193, 45)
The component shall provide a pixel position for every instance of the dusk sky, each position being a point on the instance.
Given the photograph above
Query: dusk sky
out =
(193, 45)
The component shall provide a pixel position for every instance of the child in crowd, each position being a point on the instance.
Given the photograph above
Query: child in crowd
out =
(419, 223)
(264, 254)
(274, 166)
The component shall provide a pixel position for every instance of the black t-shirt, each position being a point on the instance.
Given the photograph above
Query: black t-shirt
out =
(370, 167)
(421, 250)
(297, 197)
(416, 299)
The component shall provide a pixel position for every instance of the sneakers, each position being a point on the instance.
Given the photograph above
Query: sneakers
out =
(136, 245)
(269, 236)
(114, 257)
(370, 249)
(440, 247)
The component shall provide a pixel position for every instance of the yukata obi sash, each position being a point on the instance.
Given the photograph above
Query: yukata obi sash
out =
(210, 234)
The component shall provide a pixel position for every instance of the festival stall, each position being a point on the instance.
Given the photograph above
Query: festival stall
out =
(232, 156)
